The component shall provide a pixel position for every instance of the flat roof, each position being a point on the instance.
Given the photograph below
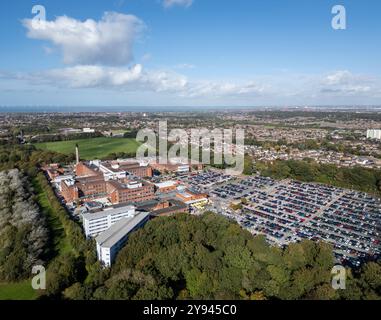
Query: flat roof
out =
(166, 184)
(122, 186)
(176, 205)
(90, 179)
(119, 229)
(107, 212)
(122, 166)
(186, 193)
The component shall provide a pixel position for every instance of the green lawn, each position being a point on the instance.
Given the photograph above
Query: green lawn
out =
(60, 243)
(18, 291)
(92, 148)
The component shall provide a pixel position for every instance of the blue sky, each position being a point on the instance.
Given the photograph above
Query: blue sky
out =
(190, 53)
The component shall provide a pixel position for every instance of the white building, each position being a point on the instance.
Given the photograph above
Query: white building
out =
(96, 223)
(57, 180)
(166, 184)
(112, 172)
(373, 134)
(88, 130)
(183, 168)
(113, 239)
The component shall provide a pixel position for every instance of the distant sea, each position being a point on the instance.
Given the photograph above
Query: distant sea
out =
(78, 109)
(71, 109)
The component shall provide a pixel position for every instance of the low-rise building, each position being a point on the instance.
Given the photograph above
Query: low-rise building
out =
(53, 170)
(190, 198)
(166, 186)
(175, 165)
(162, 207)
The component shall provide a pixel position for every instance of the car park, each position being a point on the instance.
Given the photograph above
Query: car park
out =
(288, 211)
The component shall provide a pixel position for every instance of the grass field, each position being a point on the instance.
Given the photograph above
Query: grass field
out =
(92, 148)
(17, 291)
(60, 243)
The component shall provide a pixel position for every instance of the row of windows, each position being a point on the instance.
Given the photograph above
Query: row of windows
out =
(98, 222)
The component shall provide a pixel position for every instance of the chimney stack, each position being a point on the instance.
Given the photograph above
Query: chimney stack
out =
(77, 153)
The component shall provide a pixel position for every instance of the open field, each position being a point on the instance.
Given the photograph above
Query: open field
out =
(17, 291)
(92, 148)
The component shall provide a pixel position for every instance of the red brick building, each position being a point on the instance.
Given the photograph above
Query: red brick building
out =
(160, 208)
(137, 170)
(132, 191)
(53, 170)
(91, 186)
(83, 170)
(69, 191)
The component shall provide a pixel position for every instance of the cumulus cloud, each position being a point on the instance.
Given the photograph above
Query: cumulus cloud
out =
(111, 78)
(108, 41)
(171, 3)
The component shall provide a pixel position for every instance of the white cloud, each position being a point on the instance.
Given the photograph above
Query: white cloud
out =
(343, 82)
(171, 3)
(340, 87)
(184, 66)
(224, 89)
(338, 77)
(108, 41)
(111, 78)
(136, 79)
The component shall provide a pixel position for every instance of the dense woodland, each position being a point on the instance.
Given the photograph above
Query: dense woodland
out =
(27, 157)
(23, 229)
(64, 137)
(362, 179)
(208, 257)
